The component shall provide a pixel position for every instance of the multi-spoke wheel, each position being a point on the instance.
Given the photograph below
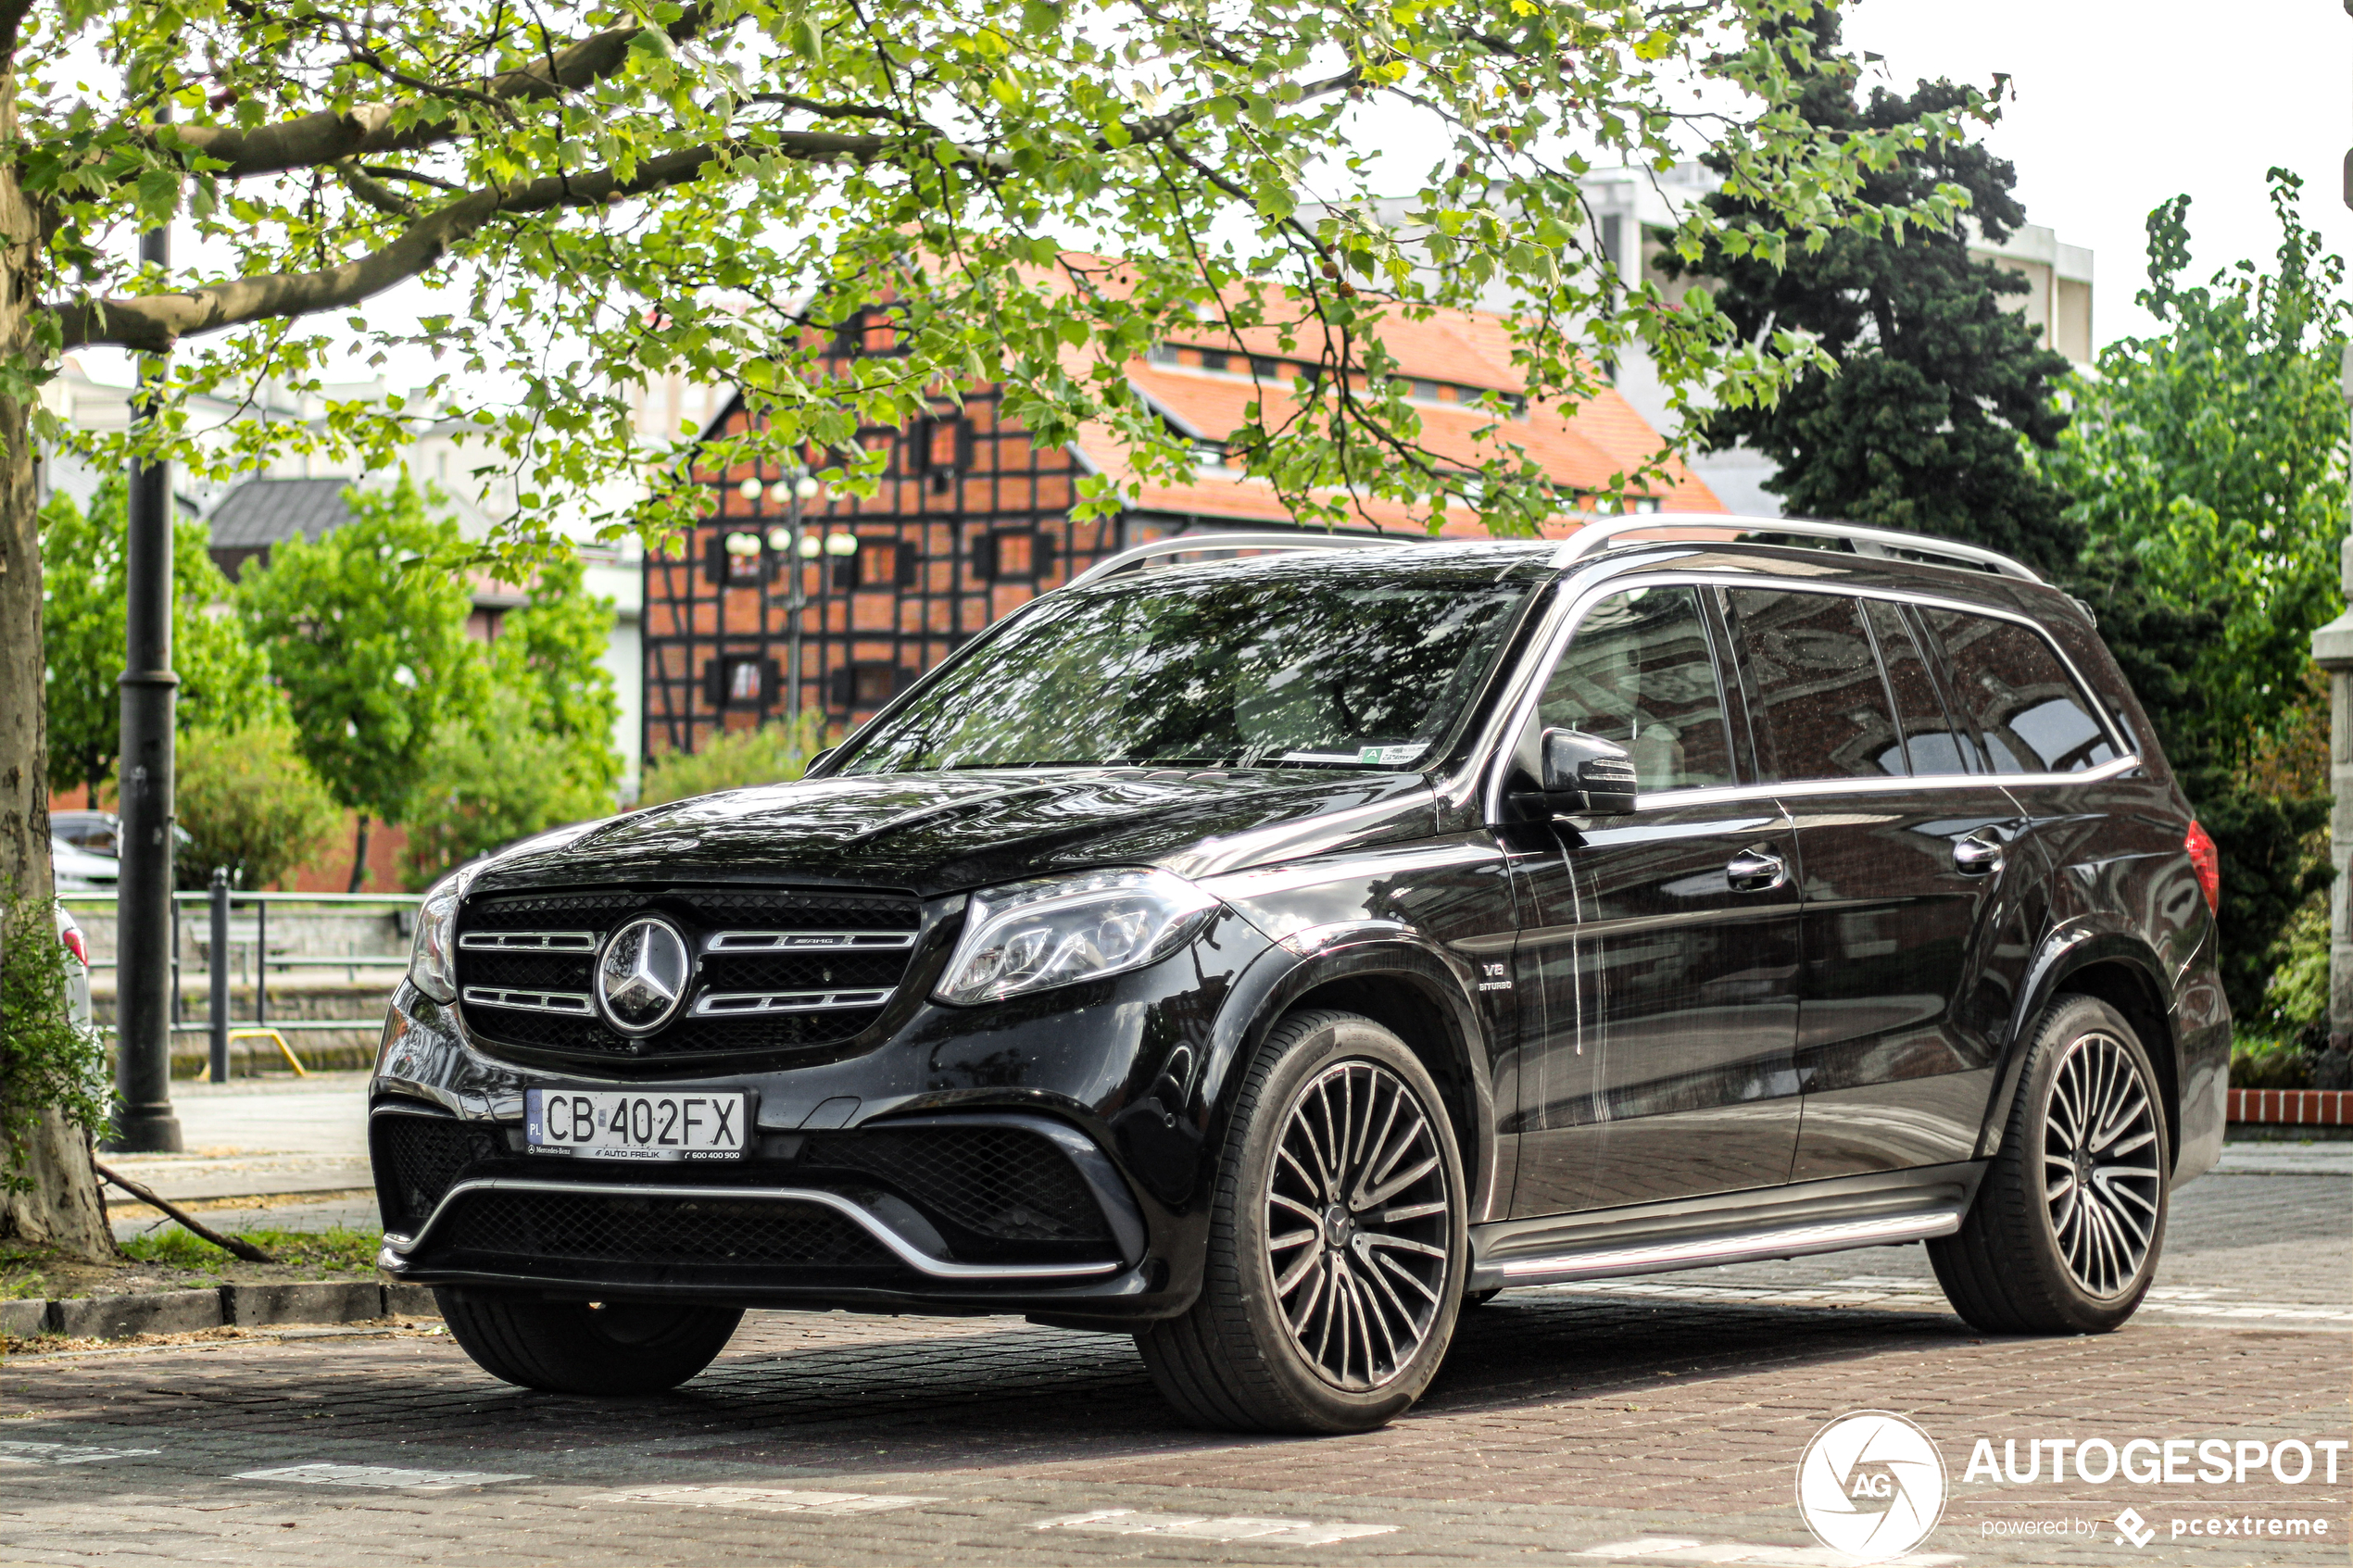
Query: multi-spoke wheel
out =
(1360, 1224)
(1337, 1241)
(2069, 1219)
(2100, 1178)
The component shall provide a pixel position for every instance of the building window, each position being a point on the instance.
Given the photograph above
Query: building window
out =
(869, 684)
(738, 680)
(1015, 556)
(939, 448)
(876, 563)
(1212, 359)
(733, 557)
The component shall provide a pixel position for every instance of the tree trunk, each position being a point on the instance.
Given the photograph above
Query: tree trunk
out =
(360, 859)
(62, 1208)
(62, 1211)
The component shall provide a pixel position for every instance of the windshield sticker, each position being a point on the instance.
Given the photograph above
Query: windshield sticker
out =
(1392, 756)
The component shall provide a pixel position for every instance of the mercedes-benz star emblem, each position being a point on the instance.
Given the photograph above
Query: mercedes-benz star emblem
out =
(641, 975)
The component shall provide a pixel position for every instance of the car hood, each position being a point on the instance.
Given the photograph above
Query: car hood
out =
(943, 832)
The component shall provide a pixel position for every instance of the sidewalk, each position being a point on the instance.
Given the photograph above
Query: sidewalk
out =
(296, 1147)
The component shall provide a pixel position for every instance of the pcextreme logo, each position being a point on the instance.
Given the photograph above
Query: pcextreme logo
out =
(1871, 1486)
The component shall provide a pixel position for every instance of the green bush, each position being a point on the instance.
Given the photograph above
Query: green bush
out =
(2260, 1061)
(249, 802)
(771, 754)
(490, 779)
(46, 1062)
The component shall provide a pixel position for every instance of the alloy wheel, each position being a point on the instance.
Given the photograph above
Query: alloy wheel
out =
(2100, 1175)
(1359, 1224)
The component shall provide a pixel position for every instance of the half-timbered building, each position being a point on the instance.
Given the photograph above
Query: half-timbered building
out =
(972, 519)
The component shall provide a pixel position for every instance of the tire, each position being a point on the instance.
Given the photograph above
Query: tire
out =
(580, 1348)
(2065, 1233)
(1376, 1315)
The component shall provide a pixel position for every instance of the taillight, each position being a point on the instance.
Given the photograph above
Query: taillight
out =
(2206, 863)
(71, 937)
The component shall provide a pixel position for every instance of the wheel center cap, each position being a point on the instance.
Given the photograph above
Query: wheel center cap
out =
(1338, 1226)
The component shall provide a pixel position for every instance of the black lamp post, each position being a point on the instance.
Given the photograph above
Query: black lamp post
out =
(143, 906)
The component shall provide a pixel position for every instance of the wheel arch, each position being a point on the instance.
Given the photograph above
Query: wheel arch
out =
(2115, 967)
(1410, 987)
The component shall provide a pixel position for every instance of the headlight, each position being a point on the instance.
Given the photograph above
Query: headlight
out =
(433, 962)
(1035, 934)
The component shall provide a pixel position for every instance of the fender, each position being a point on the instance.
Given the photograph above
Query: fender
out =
(2072, 946)
(1383, 949)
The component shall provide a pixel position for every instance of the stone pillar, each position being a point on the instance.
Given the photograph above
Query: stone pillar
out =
(2333, 651)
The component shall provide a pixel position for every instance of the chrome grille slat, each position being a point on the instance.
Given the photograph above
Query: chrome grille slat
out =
(746, 1004)
(570, 1004)
(529, 941)
(809, 941)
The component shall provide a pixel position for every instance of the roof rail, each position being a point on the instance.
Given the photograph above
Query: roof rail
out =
(1196, 543)
(1594, 537)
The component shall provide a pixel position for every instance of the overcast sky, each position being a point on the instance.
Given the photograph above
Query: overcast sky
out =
(2120, 105)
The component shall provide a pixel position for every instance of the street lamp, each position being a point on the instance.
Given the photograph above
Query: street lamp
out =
(794, 491)
(143, 913)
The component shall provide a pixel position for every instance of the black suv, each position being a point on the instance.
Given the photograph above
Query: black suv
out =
(1268, 957)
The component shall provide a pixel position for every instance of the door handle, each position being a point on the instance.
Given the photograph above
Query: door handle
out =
(1976, 856)
(1756, 869)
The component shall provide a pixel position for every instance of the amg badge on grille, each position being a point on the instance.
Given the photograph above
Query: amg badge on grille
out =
(642, 975)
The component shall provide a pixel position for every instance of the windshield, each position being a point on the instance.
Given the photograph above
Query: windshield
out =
(1362, 664)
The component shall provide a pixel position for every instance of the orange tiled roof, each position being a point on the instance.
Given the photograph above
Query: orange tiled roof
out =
(1584, 447)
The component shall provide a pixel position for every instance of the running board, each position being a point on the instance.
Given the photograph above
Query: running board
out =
(1741, 1227)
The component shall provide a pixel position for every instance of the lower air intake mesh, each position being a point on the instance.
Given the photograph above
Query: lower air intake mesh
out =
(998, 1182)
(418, 1158)
(716, 1230)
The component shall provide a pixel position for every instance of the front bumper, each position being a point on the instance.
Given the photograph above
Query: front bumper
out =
(1042, 1157)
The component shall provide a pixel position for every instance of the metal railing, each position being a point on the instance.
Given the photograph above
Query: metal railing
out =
(220, 902)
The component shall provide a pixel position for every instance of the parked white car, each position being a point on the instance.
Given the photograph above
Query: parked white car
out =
(77, 968)
(80, 870)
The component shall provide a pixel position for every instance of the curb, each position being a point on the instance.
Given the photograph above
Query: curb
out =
(181, 1311)
(2295, 1108)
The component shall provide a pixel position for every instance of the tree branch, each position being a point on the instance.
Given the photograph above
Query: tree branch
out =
(375, 192)
(12, 15)
(152, 323)
(312, 140)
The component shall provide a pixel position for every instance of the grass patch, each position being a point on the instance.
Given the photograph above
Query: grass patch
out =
(336, 1250)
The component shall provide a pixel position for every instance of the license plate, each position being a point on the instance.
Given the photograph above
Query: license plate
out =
(638, 1123)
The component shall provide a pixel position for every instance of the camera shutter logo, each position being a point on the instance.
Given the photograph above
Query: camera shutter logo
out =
(642, 975)
(1871, 1486)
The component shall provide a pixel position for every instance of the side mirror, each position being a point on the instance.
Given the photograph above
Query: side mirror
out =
(1587, 773)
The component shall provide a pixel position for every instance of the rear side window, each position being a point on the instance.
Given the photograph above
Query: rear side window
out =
(2034, 716)
(1930, 739)
(1821, 706)
(1640, 672)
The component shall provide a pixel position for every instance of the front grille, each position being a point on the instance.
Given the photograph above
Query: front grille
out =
(524, 972)
(519, 1228)
(1002, 1183)
(417, 1159)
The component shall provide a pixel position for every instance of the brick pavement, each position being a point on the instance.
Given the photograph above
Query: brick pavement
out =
(1566, 1424)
